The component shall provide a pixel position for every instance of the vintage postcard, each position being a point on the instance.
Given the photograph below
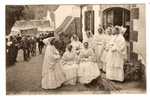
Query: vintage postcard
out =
(75, 49)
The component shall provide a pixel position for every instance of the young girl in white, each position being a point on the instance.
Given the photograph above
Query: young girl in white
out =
(98, 43)
(107, 37)
(76, 44)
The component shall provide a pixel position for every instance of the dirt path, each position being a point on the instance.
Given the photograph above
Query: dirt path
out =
(25, 78)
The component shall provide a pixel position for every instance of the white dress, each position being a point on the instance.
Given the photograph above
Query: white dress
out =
(52, 74)
(88, 69)
(91, 42)
(115, 59)
(76, 46)
(20, 56)
(69, 67)
(98, 43)
(107, 38)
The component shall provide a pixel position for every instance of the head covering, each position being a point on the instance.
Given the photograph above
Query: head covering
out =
(74, 35)
(123, 30)
(108, 29)
(48, 40)
(100, 28)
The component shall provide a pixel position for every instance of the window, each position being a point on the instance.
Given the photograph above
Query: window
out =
(89, 21)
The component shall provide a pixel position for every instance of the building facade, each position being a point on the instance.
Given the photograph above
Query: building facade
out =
(131, 16)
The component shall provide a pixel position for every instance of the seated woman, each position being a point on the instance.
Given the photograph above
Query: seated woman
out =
(69, 66)
(88, 69)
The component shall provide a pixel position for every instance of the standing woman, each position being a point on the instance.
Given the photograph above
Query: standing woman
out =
(76, 44)
(107, 38)
(98, 42)
(89, 39)
(52, 74)
(117, 55)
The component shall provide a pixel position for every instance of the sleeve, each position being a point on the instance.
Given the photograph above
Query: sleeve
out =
(121, 47)
(121, 44)
(45, 41)
(56, 54)
(78, 58)
(63, 59)
(92, 55)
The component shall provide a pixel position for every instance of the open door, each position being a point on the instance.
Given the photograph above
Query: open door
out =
(117, 16)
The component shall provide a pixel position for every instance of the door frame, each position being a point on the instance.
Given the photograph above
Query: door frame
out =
(104, 23)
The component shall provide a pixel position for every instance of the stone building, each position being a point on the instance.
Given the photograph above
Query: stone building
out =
(131, 16)
(81, 18)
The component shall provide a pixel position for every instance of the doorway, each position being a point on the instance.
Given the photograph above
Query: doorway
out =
(117, 16)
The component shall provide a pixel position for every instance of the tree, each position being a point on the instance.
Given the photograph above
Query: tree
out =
(13, 13)
(27, 13)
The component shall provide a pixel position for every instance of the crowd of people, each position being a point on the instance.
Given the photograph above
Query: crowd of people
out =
(103, 53)
(23, 46)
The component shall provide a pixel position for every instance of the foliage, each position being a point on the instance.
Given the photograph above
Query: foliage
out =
(13, 13)
(134, 71)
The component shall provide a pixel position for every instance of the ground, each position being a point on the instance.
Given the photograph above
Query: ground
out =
(25, 78)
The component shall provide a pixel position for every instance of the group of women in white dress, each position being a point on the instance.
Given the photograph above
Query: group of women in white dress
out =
(104, 52)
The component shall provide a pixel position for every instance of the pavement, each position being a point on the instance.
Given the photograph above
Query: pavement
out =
(25, 78)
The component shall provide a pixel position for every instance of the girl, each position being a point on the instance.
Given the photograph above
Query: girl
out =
(98, 43)
(76, 44)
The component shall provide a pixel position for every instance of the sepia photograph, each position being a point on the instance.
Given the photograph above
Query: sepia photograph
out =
(75, 49)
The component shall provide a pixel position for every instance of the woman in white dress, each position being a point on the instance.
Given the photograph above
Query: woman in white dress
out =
(76, 44)
(89, 39)
(107, 38)
(52, 73)
(88, 69)
(69, 66)
(98, 42)
(116, 57)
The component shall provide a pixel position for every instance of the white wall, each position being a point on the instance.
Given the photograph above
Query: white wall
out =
(76, 11)
(83, 25)
(65, 10)
(139, 25)
(97, 18)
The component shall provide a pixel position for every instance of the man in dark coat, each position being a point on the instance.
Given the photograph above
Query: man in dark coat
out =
(25, 48)
(29, 46)
(40, 44)
(33, 46)
(15, 44)
(10, 52)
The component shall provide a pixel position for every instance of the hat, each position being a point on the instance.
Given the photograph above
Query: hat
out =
(51, 38)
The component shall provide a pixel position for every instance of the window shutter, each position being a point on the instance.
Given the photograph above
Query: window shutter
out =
(134, 36)
(92, 21)
(89, 21)
(135, 13)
